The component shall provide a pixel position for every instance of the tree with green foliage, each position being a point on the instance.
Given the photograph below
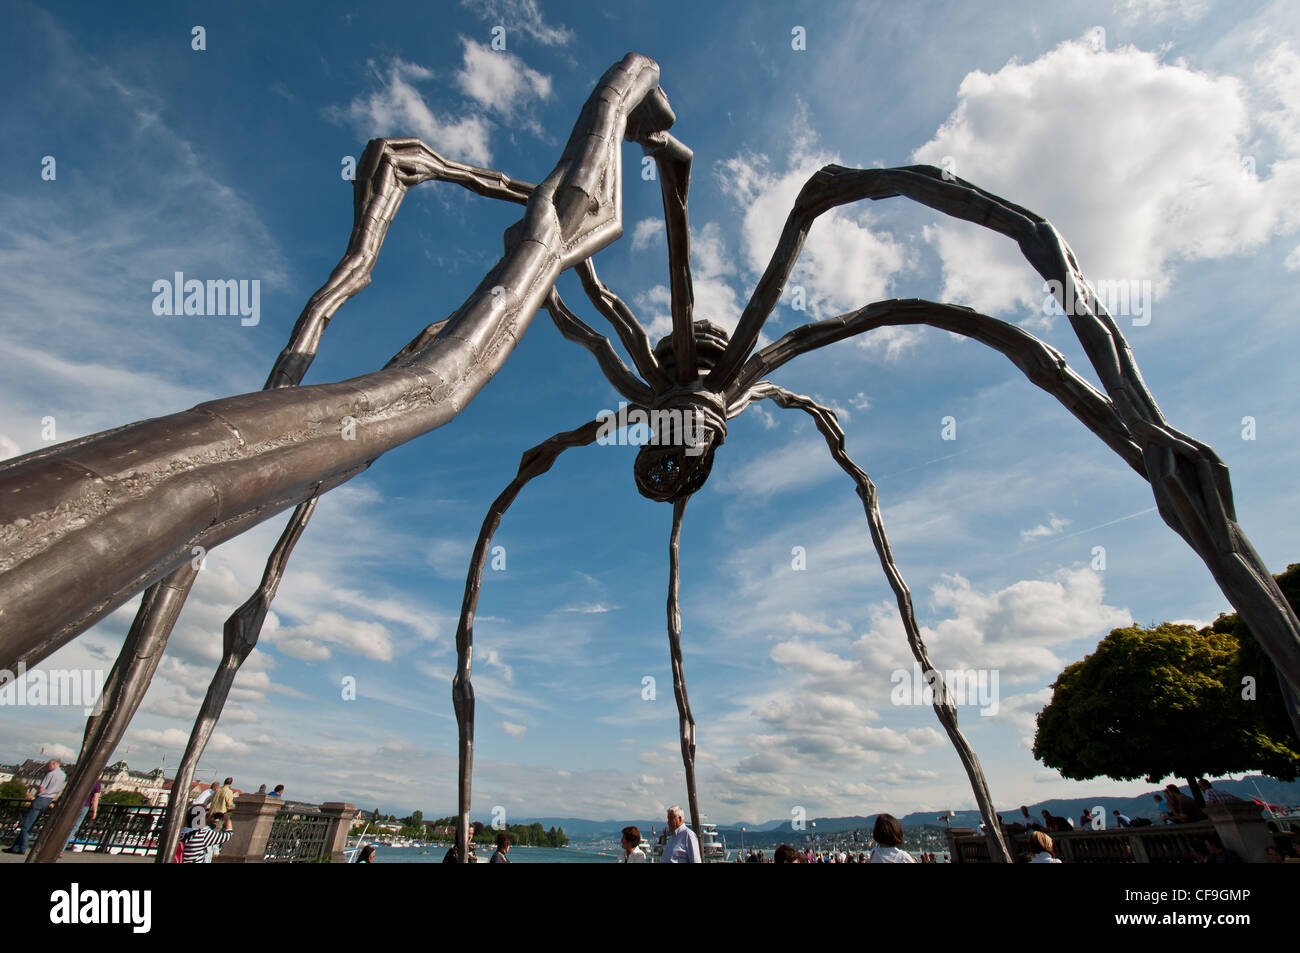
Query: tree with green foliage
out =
(122, 797)
(1171, 700)
(13, 788)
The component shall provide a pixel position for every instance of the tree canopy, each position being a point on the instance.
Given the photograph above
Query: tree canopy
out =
(1171, 700)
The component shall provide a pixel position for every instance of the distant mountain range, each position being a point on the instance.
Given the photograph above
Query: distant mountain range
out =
(1269, 789)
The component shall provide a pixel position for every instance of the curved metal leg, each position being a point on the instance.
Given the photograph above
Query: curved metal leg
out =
(685, 720)
(242, 630)
(943, 705)
(534, 463)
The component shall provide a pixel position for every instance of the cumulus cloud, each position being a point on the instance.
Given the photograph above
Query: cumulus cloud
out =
(647, 232)
(397, 108)
(845, 262)
(712, 274)
(312, 641)
(499, 81)
(1140, 165)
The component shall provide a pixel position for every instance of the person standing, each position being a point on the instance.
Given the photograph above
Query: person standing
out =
(223, 802)
(1041, 845)
(452, 856)
(278, 792)
(632, 852)
(1213, 795)
(888, 835)
(204, 800)
(50, 788)
(503, 848)
(91, 805)
(682, 846)
(198, 841)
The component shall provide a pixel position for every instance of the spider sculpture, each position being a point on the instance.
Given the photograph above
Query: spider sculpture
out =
(152, 491)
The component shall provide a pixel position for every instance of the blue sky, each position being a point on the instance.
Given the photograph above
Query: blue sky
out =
(1161, 137)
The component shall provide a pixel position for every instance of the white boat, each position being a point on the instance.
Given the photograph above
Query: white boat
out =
(713, 848)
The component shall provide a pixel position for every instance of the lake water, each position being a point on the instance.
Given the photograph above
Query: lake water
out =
(518, 855)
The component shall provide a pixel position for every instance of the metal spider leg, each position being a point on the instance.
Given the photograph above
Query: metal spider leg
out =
(673, 160)
(387, 170)
(611, 365)
(685, 721)
(829, 427)
(1188, 480)
(123, 691)
(534, 463)
(628, 328)
(245, 458)
(241, 633)
(1043, 365)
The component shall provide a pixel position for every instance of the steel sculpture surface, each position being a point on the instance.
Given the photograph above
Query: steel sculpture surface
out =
(149, 492)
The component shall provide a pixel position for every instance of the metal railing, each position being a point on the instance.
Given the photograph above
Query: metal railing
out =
(298, 837)
(1164, 844)
(119, 828)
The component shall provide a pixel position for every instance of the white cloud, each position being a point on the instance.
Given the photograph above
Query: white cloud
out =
(513, 730)
(1053, 526)
(712, 273)
(647, 232)
(312, 640)
(397, 108)
(500, 81)
(523, 16)
(795, 466)
(845, 263)
(1139, 164)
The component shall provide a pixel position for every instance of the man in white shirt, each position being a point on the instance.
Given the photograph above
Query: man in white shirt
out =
(206, 795)
(51, 787)
(682, 846)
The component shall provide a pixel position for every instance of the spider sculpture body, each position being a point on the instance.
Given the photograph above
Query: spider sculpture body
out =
(151, 491)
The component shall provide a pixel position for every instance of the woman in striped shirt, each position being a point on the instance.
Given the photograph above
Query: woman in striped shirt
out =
(198, 840)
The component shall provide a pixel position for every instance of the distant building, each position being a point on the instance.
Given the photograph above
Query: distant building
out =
(150, 785)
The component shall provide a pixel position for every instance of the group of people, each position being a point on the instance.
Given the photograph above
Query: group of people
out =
(1173, 808)
(681, 846)
(501, 855)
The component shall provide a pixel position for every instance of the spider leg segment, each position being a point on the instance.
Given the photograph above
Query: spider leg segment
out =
(685, 721)
(1190, 483)
(611, 365)
(534, 463)
(673, 161)
(240, 636)
(1042, 364)
(629, 329)
(123, 691)
(388, 168)
(157, 488)
(829, 427)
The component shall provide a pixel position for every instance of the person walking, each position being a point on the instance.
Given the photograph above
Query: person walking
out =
(682, 846)
(51, 787)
